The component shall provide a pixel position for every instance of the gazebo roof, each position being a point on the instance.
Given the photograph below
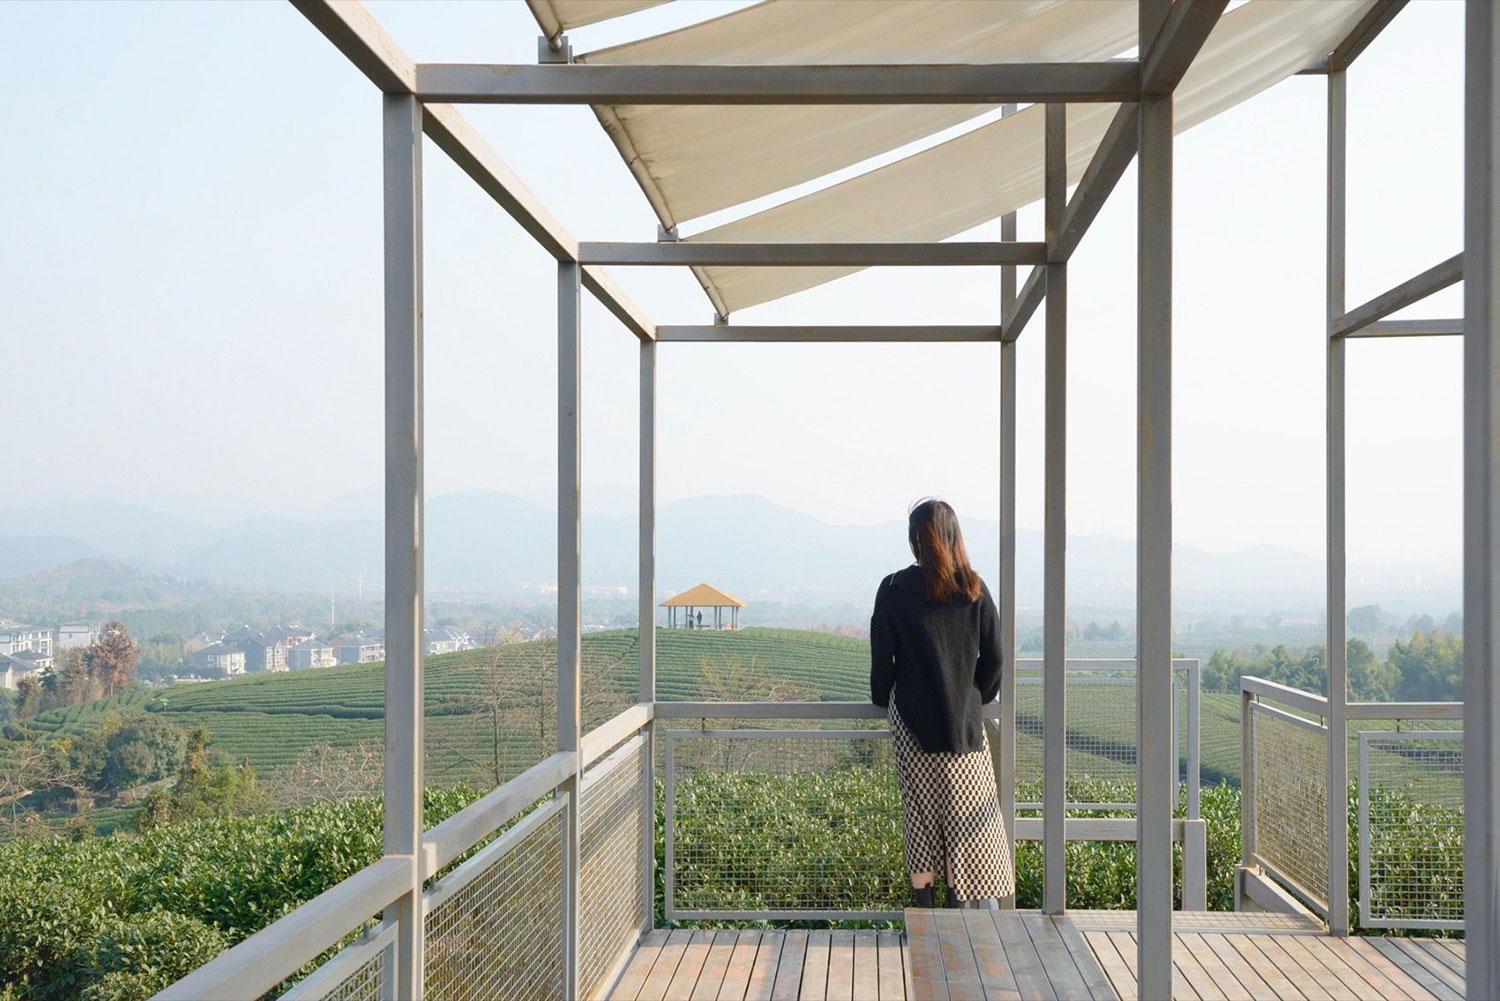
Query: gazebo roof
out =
(703, 596)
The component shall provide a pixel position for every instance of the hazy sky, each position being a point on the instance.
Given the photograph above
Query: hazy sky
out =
(192, 304)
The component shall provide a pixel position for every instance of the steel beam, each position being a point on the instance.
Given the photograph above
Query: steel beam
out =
(1413, 290)
(1025, 304)
(1005, 763)
(1337, 849)
(1055, 532)
(355, 33)
(1366, 31)
(773, 255)
(1482, 497)
(1177, 41)
(402, 143)
(646, 618)
(1445, 327)
(994, 83)
(1156, 757)
(569, 593)
(1113, 155)
(729, 333)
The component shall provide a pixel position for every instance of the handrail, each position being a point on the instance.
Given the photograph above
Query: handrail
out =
(1284, 694)
(1406, 710)
(263, 960)
(606, 735)
(448, 840)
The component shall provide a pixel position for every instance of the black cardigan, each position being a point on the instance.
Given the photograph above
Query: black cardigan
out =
(943, 659)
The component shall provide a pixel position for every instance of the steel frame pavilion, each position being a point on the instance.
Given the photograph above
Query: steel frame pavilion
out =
(417, 99)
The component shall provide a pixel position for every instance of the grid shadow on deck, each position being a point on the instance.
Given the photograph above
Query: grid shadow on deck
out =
(1025, 955)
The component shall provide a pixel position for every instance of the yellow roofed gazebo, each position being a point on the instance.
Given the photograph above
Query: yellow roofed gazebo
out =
(701, 597)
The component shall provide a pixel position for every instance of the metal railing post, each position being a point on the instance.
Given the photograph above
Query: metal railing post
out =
(1054, 571)
(1156, 769)
(1481, 496)
(646, 629)
(1338, 691)
(569, 596)
(402, 145)
(1005, 764)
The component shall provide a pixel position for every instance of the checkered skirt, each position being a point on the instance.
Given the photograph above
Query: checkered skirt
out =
(952, 813)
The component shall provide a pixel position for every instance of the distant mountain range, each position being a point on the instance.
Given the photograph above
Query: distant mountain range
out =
(501, 544)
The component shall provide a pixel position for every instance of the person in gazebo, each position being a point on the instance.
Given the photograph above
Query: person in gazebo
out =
(935, 661)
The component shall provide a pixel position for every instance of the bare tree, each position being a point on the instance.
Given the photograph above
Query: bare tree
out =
(323, 772)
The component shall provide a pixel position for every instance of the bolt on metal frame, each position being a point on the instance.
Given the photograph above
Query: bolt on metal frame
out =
(1170, 37)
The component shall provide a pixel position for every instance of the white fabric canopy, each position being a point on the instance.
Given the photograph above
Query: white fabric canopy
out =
(693, 160)
(957, 185)
(560, 15)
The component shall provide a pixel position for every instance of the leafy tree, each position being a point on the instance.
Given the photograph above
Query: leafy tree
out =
(112, 659)
(28, 697)
(203, 789)
(1430, 667)
(1370, 680)
(1366, 621)
(128, 751)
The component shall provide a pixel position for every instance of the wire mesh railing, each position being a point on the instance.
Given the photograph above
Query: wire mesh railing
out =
(1286, 803)
(615, 881)
(1411, 829)
(494, 926)
(735, 803)
(1100, 710)
(362, 971)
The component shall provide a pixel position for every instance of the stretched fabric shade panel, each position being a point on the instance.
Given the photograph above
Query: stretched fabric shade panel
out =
(693, 160)
(560, 15)
(997, 168)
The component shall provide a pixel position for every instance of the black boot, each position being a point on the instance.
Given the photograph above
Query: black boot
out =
(922, 897)
(950, 899)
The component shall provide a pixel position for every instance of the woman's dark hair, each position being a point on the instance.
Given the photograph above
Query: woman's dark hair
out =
(938, 544)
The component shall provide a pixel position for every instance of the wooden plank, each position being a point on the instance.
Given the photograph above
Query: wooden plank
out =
(715, 966)
(1380, 986)
(763, 973)
(693, 958)
(1419, 950)
(925, 957)
(959, 965)
(1414, 967)
(1349, 974)
(815, 967)
(1192, 971)
(1443, 955)
(1276, 979)
(840, 967)
(1399, 983)
(1094, 976)
(1025, 963)
(741, 962)
(788, 982)
(1327, 978)
(995, 975)
(1455, 946)
(634, 975)
(1126, 944)
(1384, 964)
(1109, 958)
(1275, 958)
(890, 978)
(1067, 982)
(866, 966)
(1202, 954)
(665, 967)
(1252, 983)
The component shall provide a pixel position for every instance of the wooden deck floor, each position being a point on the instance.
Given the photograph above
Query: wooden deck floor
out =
(1024, 955)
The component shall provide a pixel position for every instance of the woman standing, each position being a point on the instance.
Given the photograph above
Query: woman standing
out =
(936, 659)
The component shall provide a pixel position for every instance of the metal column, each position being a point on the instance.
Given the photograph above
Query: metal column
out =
(1005, 763)
(1055, 528)
(646, 628)
(1156, 770)
(1481, 497)
(1338, 656)
(402, 129)
(569, 593)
